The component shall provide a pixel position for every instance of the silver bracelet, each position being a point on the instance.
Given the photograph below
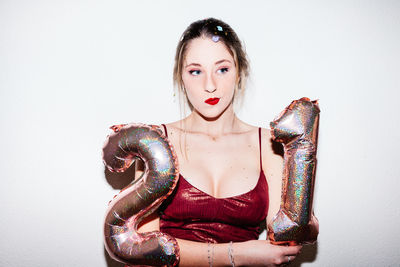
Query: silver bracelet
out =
(210, 258)
(230, 253)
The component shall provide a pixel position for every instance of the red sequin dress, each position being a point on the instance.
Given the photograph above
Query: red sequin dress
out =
(191, 214)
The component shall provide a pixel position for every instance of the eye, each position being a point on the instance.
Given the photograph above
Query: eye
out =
(223, 70)
(194, 72)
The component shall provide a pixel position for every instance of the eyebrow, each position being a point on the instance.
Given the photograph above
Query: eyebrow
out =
(216, 63)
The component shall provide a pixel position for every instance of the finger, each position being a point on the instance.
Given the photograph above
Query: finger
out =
(285, 260)
(292, 250)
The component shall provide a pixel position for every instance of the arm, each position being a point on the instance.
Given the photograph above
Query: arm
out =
(248, 253)
(191, 253)
(272, 163)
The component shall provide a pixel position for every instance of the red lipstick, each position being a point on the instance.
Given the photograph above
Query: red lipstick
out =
(212, 101)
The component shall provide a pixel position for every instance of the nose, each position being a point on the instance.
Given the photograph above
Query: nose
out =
(210, 85)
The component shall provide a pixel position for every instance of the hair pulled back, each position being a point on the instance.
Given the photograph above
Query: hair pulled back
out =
(222, 32)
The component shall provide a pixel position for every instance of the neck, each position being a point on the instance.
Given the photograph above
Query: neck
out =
(213, 127)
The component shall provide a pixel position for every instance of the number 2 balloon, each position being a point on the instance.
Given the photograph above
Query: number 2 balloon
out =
(135, 202)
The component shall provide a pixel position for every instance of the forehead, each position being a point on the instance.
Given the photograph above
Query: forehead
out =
(203, 50)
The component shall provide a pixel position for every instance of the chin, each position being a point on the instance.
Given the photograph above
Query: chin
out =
(210, 114)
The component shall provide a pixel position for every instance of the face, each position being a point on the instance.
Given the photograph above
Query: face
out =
(209, 76)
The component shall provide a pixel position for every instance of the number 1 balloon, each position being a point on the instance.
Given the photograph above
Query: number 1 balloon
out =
(297, 128)
(122, 240)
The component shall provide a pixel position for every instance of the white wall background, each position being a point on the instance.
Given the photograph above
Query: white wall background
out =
(70, 69)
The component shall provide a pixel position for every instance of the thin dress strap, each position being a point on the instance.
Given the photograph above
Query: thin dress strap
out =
(165, 129)
(259, 140)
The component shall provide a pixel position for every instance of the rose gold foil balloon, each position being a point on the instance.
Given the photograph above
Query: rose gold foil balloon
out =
(297, 128)
(142, 197)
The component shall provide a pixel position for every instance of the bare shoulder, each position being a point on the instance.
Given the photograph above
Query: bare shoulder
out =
(272, 155)
(272, 161)
(168, 126)
(172, 127)
(245, 128)
(266, 141)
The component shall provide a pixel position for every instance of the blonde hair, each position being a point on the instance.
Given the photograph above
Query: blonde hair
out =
(211, 27)
(207, 28)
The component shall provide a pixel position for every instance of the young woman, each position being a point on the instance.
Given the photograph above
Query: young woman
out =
(230, 178)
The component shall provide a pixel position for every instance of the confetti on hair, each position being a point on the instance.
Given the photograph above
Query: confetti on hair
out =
(215, 38)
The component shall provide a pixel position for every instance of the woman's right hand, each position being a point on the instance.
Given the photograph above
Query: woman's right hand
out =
(263, 253)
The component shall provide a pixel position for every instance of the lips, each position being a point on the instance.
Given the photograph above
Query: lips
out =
(212, 101)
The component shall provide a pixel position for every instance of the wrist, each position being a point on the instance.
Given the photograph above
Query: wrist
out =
(236, 252)
(230, 254)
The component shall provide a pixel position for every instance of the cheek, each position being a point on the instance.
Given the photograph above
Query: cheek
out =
(228, 83)
(193, 88)
(193, 92)
(191, 82)
(193, 96)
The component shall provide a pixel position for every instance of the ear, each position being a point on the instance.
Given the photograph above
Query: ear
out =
(238, 81)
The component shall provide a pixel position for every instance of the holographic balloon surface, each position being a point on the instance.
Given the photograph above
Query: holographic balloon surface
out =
(297, 128)
(141, 198)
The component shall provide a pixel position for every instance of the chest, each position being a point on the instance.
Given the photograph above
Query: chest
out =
(221, 167)
(191, 205)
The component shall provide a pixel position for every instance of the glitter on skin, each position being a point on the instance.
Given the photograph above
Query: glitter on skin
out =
(297, 128)
(139, 199)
